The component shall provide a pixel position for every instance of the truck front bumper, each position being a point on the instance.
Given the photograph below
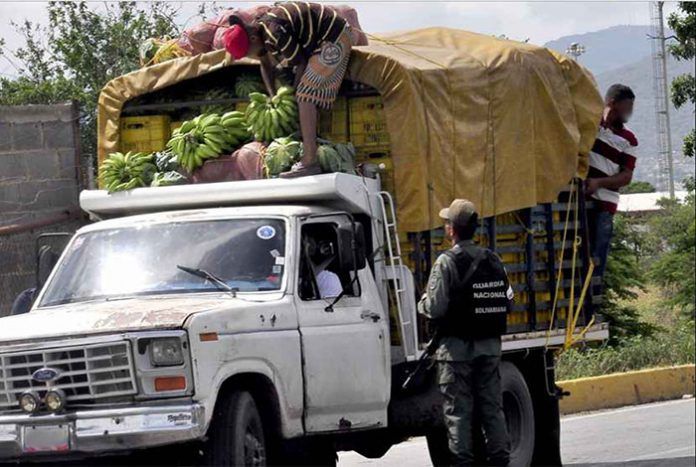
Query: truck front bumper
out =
(99, 431)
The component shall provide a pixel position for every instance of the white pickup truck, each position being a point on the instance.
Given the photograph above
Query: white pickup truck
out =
(198, 314)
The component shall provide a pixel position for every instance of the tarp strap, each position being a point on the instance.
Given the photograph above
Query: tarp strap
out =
(573, 312)
(559, 276)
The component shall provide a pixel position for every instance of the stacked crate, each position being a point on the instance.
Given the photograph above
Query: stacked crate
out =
(517, 235)
(361, 121)
(145, 134)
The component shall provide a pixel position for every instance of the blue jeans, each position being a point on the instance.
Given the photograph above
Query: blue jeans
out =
(601, 231)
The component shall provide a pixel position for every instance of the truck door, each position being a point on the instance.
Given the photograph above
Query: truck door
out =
(345, 347)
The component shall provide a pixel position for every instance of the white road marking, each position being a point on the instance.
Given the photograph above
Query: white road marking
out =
(626, 409)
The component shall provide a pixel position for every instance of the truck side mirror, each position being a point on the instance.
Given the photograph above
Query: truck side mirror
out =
(49, 246)
(351, 246)
(46, 259)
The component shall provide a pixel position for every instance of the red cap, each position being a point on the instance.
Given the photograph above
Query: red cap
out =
(236, 41)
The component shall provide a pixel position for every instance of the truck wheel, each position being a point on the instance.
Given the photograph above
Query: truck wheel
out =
(519, 414)
(236, 435)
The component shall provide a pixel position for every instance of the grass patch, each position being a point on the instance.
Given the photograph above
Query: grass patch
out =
(673, 344)
(637, 353)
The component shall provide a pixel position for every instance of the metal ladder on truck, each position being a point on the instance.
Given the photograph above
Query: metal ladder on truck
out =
(398, 275)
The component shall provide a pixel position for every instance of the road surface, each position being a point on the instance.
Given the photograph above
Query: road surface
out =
(660, 434)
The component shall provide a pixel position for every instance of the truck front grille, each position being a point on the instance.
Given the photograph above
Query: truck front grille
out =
(86, 373)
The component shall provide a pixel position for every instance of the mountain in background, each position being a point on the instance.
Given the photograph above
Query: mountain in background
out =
(622, 54)
(609, 48)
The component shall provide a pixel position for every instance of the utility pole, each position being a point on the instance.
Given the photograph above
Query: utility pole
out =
(664, 133)
(575, 50)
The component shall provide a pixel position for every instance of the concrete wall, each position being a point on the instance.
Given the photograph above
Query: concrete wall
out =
(39, 177)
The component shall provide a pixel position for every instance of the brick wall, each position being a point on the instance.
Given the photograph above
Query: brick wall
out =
(39, 177)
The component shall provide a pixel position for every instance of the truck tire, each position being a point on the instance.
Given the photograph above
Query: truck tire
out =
(237, 433)
(519, 414)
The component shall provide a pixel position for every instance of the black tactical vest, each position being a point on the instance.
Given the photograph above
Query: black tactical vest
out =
(479, 305)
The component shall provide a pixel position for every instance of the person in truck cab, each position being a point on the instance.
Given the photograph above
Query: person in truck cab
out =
(468, 297)
(311, 38)
(319, 281)
(612, 160)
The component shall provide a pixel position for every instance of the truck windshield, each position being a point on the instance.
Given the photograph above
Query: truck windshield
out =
(246, 254)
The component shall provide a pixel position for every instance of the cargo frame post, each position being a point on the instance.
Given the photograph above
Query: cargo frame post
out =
(588, 305)
(531, 278)
(550, 250)
(491, 223)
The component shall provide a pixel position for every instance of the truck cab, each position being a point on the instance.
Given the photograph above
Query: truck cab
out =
(138, 350)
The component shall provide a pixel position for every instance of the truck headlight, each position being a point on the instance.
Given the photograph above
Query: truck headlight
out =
(166, 351)
(55, 400)
(29, 402)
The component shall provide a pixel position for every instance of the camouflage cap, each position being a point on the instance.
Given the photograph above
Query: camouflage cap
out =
(459, 212)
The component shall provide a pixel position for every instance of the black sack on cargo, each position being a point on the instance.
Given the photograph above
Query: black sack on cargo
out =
(480, 303)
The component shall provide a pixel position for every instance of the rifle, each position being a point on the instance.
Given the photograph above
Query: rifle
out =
(424, 361)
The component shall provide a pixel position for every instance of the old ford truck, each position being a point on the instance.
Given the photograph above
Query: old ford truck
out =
(191, 316)
(191, 313)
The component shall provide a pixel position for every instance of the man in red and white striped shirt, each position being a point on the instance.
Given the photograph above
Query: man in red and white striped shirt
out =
(612, 160)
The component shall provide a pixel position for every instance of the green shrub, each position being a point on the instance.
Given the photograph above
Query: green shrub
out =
(635, 353)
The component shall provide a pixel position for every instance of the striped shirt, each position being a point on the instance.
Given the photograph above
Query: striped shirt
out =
(295, 30)
(613, 150)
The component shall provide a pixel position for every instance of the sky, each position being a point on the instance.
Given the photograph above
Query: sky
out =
(539, 22)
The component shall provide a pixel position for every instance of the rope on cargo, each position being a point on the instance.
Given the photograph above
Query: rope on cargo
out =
(396, 44)
(559, 276)
(572, 313)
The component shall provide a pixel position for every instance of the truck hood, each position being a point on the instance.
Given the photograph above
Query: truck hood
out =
(133, 314)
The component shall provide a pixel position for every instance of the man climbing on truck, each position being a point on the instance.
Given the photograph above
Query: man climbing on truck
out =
(467, 298)
(313, 39)
(612, 160)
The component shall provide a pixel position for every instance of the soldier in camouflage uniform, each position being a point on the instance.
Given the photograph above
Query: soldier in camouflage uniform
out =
(468, 369)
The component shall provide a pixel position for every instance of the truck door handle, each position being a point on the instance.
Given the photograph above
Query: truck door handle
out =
(370, 315)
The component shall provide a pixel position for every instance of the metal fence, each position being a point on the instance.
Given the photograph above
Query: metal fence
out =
(18, 253)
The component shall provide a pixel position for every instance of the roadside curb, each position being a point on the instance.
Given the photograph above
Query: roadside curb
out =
(630, 388)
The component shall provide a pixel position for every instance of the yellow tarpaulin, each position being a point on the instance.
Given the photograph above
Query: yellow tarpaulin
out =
(502, 123)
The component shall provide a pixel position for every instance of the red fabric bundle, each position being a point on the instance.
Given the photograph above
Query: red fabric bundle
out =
(201, 37)
(236, 41)
(245, 163)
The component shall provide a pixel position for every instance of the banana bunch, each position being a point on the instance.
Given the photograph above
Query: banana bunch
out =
(167, 179)
(246, 84)
(271, 118)
(165, 160)
(280, 155)
(207, 136)
(121, 172)
(236, 126)
(216, 94)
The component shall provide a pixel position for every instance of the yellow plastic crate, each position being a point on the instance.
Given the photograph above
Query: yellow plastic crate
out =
(145, 134)
(333, 124)
(368, 126)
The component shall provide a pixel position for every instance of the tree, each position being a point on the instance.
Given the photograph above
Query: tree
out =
(79, 51)
(683, 22)
(623, 277)
(674, 232)
(638, 187)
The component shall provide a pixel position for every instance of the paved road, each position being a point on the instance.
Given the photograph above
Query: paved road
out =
(660, 434)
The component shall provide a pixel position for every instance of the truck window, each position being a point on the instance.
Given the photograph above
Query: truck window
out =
(320, 275)
(247, 254)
